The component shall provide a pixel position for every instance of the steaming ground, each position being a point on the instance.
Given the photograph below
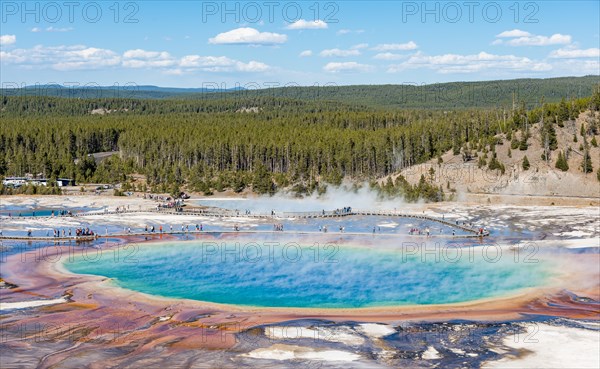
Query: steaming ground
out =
(334, 198)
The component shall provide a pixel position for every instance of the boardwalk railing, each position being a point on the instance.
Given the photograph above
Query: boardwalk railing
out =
(55, 239)
(225, 213)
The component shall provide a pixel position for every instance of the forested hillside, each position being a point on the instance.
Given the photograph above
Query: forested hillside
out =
(407, 95)
(453, 95)
(212, 145)
(128, 90)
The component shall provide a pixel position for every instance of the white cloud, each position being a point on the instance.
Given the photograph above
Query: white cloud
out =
(577, 67)
(79, 57)
(513, 33)
(11, 57)
(303, 24)
(347, 67)
(395, 47)
(339, 53)
(139, 58)
(389, 56)
(246, 35)
(359, 46)
(345, 31)
(197, 61)
(88, 58)
(306, 53)
(64, 29)
(252, 66)
(575, 53)
(219, 64)
(7, 40)
(52, 29)
(556, 39)
(143, 54)
(455, 63)
(517, 37)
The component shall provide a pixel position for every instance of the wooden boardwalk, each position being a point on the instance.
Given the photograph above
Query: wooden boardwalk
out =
(53, 239)
(223, 232)
(472, 231)
(326, 214)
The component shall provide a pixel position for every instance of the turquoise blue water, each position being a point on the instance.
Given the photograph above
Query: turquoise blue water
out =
(289, 275)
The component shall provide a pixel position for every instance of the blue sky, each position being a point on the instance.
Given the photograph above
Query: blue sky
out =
(262, 44)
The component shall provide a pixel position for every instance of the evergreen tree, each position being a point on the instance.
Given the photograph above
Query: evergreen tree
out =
(563, 112)
(262, 182)
(595, 100)
(514, 143)
(525, 163)
(523, 145)
(561, 162)
(495, 164)
(549, 136)
(586, 163)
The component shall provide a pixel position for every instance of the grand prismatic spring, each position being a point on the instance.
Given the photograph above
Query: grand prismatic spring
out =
(275, 274)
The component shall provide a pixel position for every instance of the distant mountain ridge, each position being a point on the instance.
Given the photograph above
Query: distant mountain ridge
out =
(451, 95)
(130, 91)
